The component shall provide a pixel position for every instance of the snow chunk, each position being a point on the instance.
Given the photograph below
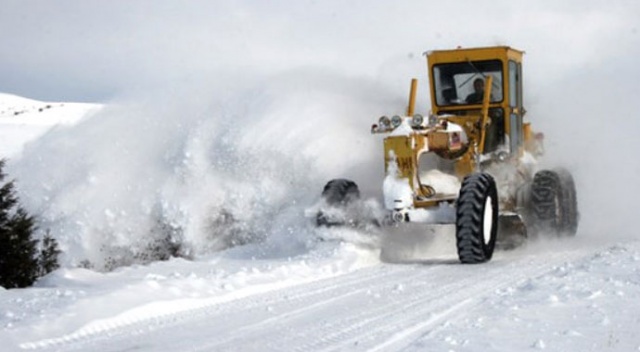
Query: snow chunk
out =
(441, 182)
(539, 345)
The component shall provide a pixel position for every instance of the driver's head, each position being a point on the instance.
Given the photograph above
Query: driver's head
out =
(478, 85)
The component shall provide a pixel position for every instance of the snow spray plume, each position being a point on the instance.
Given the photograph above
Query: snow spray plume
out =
(205, 169)
(590, 131)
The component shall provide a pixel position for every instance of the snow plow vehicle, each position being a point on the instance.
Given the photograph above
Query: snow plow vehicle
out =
(470, 164)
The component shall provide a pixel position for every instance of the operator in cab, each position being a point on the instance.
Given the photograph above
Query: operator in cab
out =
(478, 94)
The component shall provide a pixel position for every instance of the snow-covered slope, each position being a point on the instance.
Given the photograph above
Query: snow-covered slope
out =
(25, 119)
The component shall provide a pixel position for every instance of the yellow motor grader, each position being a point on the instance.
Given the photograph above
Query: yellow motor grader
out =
(476, 139)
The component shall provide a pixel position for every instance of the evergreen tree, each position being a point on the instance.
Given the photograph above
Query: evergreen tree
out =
(19, 266)
(49, 251)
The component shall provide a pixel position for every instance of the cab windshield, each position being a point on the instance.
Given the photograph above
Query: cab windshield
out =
(454, 83)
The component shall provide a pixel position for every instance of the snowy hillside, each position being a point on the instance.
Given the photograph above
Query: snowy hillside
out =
(290, 291)
(25, 119)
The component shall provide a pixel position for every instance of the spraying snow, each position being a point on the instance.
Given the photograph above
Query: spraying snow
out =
(187, 174)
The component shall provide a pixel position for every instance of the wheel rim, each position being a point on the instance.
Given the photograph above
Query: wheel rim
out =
(487, 223)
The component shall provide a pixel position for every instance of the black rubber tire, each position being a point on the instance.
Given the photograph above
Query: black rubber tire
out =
(337, 193)
(571, 216)
(546, 194)
(477, 193)
(554, 205)
(340, 192)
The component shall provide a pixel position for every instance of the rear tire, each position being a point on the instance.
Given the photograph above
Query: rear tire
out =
(569, 203)
(554, 205)
(477, 219)
(337, 193)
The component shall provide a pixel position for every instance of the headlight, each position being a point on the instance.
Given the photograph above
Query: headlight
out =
(433, 120)
(384, 122)
(396, 121)
(417, 121)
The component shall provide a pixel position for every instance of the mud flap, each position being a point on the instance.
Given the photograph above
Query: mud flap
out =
(418, 243)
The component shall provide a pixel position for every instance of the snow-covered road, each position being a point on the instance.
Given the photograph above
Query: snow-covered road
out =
(560, 295)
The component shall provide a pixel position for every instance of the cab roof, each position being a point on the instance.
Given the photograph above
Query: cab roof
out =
(459, 54)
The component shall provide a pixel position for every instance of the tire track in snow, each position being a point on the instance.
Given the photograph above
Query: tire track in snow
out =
(383, 307)
(423, 304)
(218, 305)
(332, 294)
(469, 294)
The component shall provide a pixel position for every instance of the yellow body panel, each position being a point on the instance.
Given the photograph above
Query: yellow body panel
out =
(405, 150)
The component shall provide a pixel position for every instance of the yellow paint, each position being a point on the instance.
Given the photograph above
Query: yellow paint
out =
(412, 97)
(405, 150)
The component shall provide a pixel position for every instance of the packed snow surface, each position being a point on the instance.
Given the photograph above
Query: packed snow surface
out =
(297, 288)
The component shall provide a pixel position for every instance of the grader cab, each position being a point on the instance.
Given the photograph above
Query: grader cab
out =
(474, 137)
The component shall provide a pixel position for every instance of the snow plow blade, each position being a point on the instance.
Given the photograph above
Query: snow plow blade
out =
(418, 243)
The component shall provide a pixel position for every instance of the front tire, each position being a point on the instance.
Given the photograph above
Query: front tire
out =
(477, 219)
